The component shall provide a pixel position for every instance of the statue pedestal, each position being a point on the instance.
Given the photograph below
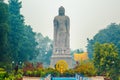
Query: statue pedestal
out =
(57, 57)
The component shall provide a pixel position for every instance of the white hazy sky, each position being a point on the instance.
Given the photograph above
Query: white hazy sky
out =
(87, 17)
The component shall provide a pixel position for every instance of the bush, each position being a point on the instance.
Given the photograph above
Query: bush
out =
(69, 73)
(2, 73)
(15, 76)
(33, 70)
(28, 73)
(18, 77)
(53, 72)
(35, 73)
(86, 68)
(28, 67)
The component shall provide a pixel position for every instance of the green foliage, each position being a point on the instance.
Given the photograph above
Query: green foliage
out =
(1, 0)
(45, 49)
(21, 36)
(86, 68)
(109, 35)
(16, 29)
(2, 73)
(53, 72)
(28, 50)
(14, 7)
(4, 30)
(28, 67)
(69, 73)
(42, 72)
(3, 12)
(17, 40)
(28, 73)
(33, 70)
(106, 60)
(14, 76)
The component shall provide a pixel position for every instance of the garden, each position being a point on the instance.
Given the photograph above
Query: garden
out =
(37, 70)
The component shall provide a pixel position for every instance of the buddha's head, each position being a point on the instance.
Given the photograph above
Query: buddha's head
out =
(61, 11)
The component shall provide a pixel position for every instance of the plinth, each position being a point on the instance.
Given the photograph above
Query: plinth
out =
(57, 57)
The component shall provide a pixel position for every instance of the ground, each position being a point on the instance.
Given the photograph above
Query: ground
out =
(31, 78)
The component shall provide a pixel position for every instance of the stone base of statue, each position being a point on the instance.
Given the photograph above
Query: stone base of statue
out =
(56, 57)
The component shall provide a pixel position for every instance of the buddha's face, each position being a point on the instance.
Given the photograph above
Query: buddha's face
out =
(61, 11)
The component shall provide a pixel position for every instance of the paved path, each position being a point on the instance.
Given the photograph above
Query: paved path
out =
(97, 78)
(31, 78)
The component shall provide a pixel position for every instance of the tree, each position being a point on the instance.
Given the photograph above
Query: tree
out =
(28, 50)
(106, 60)
(21, 37)
(16, 22)
(4, 30)
(45, 49)
(1, 0)
(109, 35)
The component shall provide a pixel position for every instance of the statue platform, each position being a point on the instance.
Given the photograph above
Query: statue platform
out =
(57, 57)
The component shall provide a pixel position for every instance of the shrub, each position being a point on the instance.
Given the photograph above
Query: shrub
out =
(18, 77)
(2, 73)
(69, 73)
(53, 72)
(28, 67)
(39, 65)
(13, 76)
(28, 73)
(86, 68)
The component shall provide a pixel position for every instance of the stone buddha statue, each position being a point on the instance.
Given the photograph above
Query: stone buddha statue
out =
(61, 47)
(61, 30)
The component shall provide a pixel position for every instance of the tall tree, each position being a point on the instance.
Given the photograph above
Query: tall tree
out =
(109, 35)
(21, 37)
(4, 29)
(16, 28)
(106, 60)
